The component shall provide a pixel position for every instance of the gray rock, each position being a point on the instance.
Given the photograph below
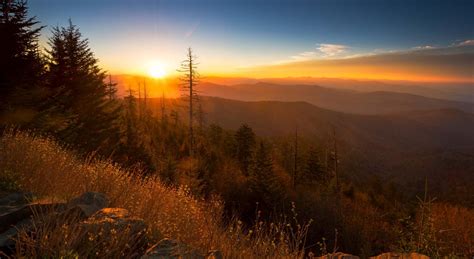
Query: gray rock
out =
(87, 204)
(17, 198)
(11, 215)
(109, 222)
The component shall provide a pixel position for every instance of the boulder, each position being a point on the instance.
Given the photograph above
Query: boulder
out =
(16, 198)
(10, 215)
(16, 214)
(87, 204)
(116, 218)
(392, 255)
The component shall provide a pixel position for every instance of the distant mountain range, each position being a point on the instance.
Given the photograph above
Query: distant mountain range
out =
(463, 92)
(343, 100)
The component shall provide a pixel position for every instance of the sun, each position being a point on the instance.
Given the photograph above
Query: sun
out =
(157, 70)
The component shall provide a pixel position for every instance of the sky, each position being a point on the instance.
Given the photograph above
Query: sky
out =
(379, 39)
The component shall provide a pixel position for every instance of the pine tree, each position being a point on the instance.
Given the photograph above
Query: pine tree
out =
(245, 141)
(264, 183)
(313, 171)
(21, 66)
(84, 115)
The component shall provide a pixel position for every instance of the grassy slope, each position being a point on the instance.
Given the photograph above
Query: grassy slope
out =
(42, 166)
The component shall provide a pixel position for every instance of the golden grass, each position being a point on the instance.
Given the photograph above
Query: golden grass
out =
(454, 228)
(40, 165)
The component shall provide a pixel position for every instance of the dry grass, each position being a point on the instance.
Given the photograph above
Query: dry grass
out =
(40, 165)
(454, 229)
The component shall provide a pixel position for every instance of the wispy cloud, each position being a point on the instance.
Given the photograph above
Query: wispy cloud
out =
(330, 50)
(323, 50)
(466, 43)
(304, 55)
(192, 29)
(423, 47)
(451, 63)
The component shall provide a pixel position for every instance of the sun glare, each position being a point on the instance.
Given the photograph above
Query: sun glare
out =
(157, 71)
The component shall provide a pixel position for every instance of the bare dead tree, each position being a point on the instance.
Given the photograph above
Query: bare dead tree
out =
(163, 105)
(145, 93)
(188, 83)
(295, 169)
(336, 158)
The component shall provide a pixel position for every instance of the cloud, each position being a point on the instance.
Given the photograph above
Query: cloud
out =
(330, 50)
(322, 50)
(451, 63)
(423, 47)
(192, 29)
(304, 55)
(466, 43)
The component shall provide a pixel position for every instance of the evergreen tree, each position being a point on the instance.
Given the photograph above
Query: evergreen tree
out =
(313, 171)
(264, 183)
(83, 113)
(21, 67)
(245, 141)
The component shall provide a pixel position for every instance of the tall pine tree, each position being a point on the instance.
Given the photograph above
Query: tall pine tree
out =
(21, 66)
(264, 183)
(245, 144)
(313, 171)
(83, 112)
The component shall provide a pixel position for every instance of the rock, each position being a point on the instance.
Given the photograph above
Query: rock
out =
(87, 204)
(168, 248)
(116, 218)
(17, 198)
(7, 243)
(110, 222)
(338, 255)
(392, 255)
(16, 216)
(10, 215)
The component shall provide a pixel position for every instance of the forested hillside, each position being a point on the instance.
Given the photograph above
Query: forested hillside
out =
(267, 178)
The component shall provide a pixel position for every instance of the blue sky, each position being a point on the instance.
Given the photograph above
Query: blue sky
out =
(246, 33)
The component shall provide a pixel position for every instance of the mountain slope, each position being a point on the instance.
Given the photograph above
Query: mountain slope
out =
(403, 147)
(349, 101)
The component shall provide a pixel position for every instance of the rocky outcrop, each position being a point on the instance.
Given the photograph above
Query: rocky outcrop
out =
(92, 218)
(16, 198)
(87, 204)
(17, 210)
(117, 221)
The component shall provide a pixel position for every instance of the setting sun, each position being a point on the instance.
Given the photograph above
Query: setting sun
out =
(157, 70)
